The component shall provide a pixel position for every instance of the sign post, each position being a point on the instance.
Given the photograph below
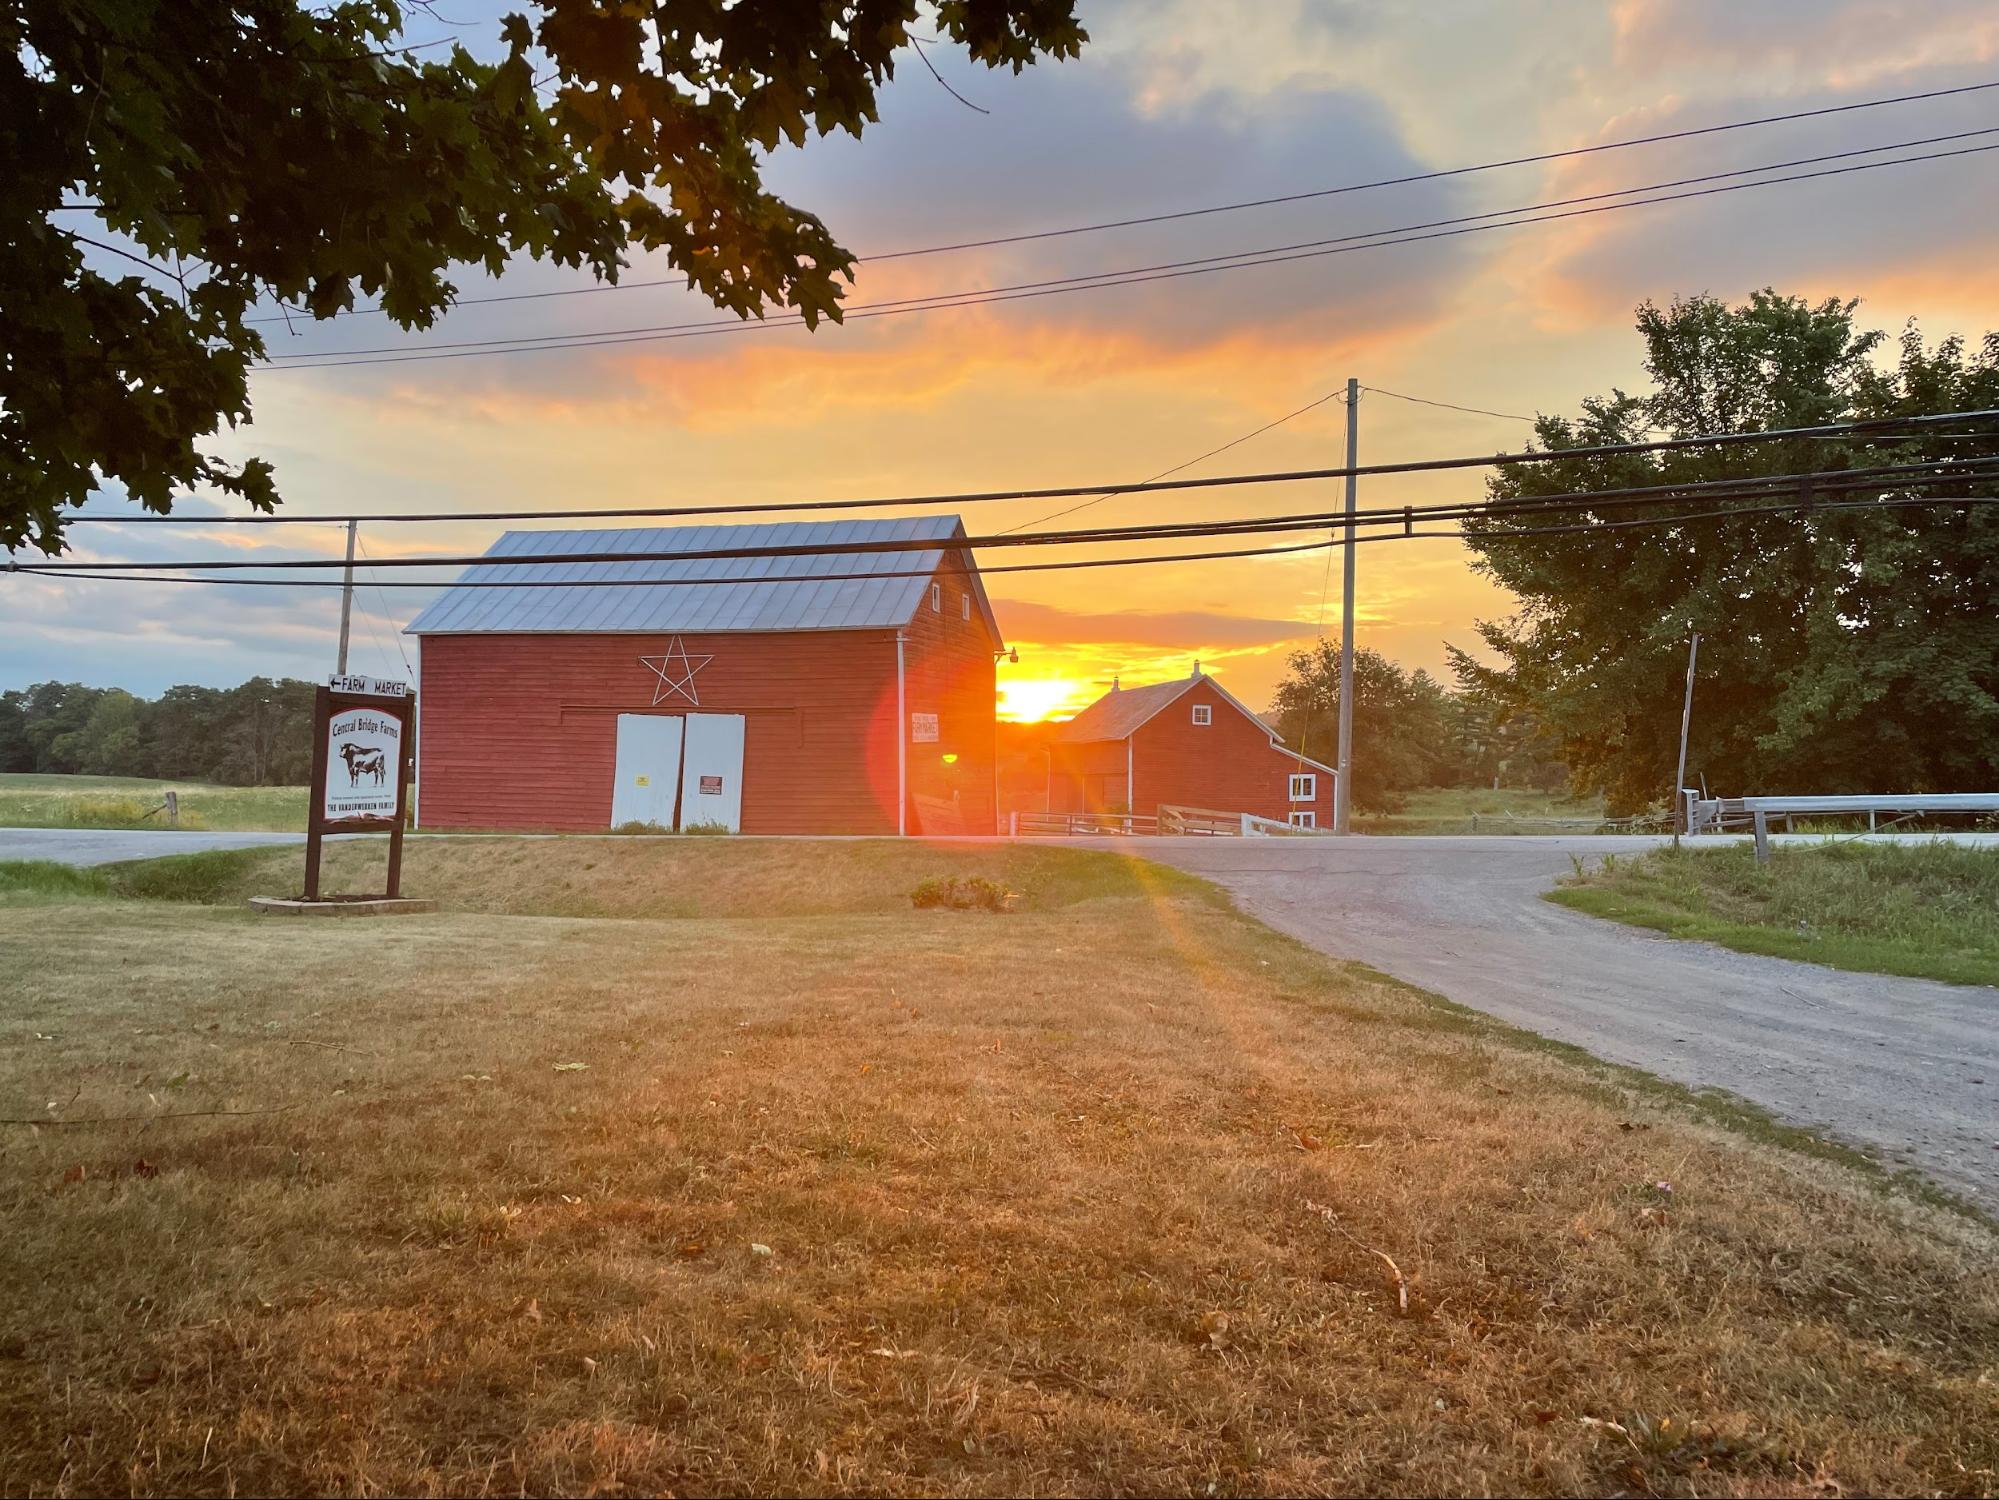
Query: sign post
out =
(360, 768)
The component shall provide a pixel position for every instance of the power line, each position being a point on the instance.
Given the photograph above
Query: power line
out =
(1223, 208)
(1882, 429)
(1466, 224)
(1919, 475)
(1805, 506)
(1477, 411)
(1165, 473)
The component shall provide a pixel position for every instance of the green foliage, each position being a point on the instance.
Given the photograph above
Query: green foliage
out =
(1408, 731)
(255, 150)
(1842, 651)
(961, 893)
(49, 879)
(256, 734)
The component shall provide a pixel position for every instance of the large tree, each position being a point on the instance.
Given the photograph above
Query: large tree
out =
(166, 167)
(1842, 650)
(1405, 725)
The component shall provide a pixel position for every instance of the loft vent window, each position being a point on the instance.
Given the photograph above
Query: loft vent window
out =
(1204, 713)
(1304, 788)
(1304, 820)
(965, 605)
(937, 598)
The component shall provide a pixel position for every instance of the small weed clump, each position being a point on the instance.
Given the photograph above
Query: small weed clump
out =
(961, 893)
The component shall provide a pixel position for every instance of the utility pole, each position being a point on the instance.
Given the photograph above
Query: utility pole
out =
(347, 598)
(1686, 722)
(1343, 783)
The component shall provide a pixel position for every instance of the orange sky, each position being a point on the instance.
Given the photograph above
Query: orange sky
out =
(1174, 105)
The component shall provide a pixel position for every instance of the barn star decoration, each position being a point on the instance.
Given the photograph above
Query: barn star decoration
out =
(675, 670)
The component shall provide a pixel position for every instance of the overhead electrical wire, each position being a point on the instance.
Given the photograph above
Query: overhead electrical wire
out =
(1477, 411)
(1177, 468)
(1436, 229)
(1879, 429)
(1804, 506)
(1252, 203)
(1822, 482)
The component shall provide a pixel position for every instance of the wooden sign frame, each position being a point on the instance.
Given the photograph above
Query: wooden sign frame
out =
(325, 704)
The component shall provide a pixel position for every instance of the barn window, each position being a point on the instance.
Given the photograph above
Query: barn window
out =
(965, 605)
(937, 598)
(1304, 787)
(1303, 819)
(1204, 713)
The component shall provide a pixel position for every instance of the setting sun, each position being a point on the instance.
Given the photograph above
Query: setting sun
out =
(1039, 698)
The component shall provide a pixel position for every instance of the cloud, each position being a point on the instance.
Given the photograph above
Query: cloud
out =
(1182, 630)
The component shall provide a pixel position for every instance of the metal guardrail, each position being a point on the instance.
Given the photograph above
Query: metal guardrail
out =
(1718, 814)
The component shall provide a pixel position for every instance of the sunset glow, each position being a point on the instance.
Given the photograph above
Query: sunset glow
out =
(1122, 383)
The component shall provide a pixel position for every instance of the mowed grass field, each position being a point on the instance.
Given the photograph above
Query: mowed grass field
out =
(1928, 910)
(1459, 810)
(128, 802)
(668, 1167)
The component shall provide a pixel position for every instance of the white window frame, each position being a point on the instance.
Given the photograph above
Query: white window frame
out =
(1307, 780)
(965, 606)
(1304, 817)
(1204, 713)
(937, 598)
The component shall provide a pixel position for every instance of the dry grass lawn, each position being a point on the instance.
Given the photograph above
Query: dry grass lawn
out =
(1116, 1193)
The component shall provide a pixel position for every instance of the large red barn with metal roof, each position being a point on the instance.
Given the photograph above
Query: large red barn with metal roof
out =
(830, 692)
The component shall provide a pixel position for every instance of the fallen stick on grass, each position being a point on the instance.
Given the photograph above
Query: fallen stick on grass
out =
(1332, 1222)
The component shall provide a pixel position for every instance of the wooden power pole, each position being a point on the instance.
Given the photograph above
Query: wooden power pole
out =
(347, 598)
(1686, 722)
(1343, 783)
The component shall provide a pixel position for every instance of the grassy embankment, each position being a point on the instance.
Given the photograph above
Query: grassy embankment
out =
(775, 1183)
(1930, 911)
(1442, 810)
(128, 802)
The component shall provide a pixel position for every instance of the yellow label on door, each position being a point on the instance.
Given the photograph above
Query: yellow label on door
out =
(645, 781)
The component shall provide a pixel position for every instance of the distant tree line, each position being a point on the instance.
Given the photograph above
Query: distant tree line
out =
(1410, 730)
(256, 734)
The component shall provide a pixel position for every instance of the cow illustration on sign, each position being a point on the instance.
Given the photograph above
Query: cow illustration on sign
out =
(363, 761)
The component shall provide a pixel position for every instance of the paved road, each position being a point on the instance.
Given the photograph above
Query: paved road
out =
(1906, 1065)
(103, 846)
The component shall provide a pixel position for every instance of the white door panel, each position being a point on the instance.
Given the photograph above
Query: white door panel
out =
(648, 774)
(711, 778)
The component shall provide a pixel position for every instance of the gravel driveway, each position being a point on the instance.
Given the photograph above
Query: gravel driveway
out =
(1908, 1066)
(103, 846)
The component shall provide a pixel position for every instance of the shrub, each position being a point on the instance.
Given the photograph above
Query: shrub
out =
(962, 893)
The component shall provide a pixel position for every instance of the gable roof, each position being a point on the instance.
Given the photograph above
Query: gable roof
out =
(1115, 715)
(1119, 714)
(703, 594)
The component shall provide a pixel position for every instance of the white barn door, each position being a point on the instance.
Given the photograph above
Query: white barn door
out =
(648, 772)
(711, 779)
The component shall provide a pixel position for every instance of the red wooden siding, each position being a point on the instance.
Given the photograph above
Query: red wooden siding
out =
(948, 666)
(1228, 764)
(520, 731)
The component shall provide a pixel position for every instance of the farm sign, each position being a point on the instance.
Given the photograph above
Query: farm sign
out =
(360, 768)
(364, 754)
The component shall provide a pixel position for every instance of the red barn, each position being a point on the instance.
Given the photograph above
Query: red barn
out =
(1186, 743)
(832, 692)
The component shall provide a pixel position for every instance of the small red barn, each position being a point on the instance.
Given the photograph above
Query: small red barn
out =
(1187, 743)
(824, 692)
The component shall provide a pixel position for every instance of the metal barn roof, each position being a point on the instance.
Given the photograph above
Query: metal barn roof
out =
(673, 595)
(1119, 712)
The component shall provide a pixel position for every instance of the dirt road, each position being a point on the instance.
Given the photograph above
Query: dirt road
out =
(1907, 1066)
